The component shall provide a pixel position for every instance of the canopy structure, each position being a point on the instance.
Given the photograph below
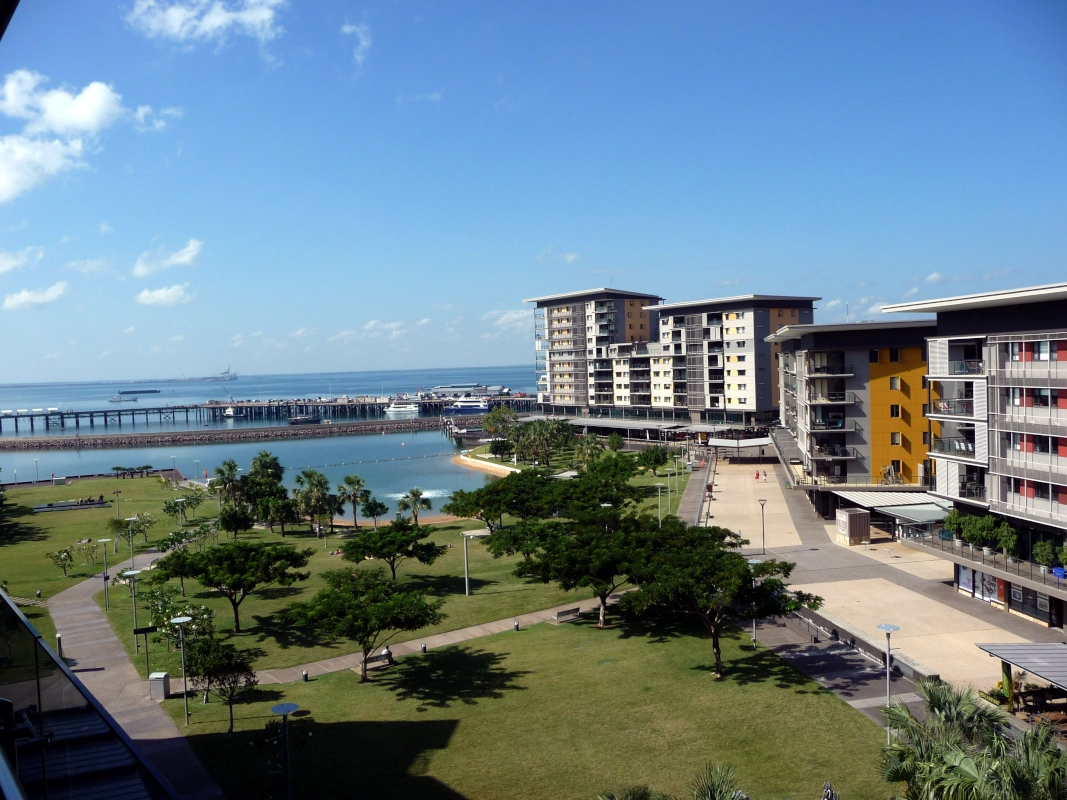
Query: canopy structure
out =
(878, 500)
(1047, 660)
(922, 513)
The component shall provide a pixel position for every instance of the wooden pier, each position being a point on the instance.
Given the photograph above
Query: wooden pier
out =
(205, 414)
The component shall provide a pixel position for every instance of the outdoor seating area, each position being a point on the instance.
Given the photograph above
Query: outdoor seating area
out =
(73, 505)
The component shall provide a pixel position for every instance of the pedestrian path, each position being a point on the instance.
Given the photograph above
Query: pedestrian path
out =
(101, 662)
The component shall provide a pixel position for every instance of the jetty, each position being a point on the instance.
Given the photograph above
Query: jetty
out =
(215, 411)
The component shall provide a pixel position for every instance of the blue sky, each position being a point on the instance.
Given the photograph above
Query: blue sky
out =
(290, 187)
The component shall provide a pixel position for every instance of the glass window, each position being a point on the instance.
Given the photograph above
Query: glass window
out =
(894, 354)
(1016, 396)
(894, 438)
(1041, 351)
(1016, 351)
(872, 356)
(894, 410)
(894, 384)
(1042, 444)
(1041, 398)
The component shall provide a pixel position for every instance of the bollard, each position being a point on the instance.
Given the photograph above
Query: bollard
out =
(424, 647)
(516, 626)
(304, 675)
(59, 645)
(38, 594)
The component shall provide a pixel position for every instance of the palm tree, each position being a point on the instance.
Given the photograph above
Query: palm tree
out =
(313, 495)
(962, 749)
(714, 783)
(413, 501)
(226, 476)
(352, 490)
(589, 449)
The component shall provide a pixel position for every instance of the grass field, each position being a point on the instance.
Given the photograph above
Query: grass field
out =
(561, 712)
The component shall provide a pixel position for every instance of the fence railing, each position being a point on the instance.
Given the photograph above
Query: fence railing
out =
(1053, 577)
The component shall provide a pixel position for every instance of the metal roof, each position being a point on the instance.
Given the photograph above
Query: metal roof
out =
(880, 499)
(586, 292)
(796, 331)
(1046, 660)
(920, 512)
(1007, 297)
(741, 298)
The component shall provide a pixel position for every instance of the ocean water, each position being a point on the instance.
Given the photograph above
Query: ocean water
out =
(94, 396)
(390, 464)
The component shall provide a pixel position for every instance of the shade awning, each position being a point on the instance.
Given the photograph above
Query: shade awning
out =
(920, 512)
(1047, 660)
(892, 498)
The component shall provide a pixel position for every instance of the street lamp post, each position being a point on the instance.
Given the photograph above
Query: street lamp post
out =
(197, 462)
(180, 622)
(129, 533)
(753, 562)
(659, 503)
(107, 601)
(285, 709)
(117, 494)
(36, 472)
(132, 575)
(173, 469)
(763, 527)
(889, 631)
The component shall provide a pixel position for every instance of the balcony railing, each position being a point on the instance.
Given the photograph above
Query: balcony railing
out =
(972, 491)
(833, 425)
(942, 540)
(834, 451)
(967, 367)
(953, 446)
(954, 408)
(830, 369)
(832, 398)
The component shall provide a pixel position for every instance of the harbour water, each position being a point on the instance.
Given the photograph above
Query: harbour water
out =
(391, 464)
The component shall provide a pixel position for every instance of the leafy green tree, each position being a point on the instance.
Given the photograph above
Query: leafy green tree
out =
(616, 442)
(1007, 538)
(501, 448)
(653, 457)
(700, 572)
(413, 500)
(375, 509)
(589, 449)
(965, 748)
(173, 509)
(1044, 553)
(235, 520)
(179, 564)
(716, 782)
(313, 496)
(275, 511)
(142, 524)
(366, 607)
(238, 569)
(64, 559)
(563, 435)
(394, 543)
(222, 670)
(353, 489)
(499, 421)
(485, 504)
(954, 522)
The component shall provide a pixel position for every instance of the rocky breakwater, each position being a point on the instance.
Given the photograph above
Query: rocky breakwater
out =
(208, 436)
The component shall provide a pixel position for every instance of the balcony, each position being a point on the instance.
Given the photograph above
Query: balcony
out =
(966, 367)
(832, 452)
(953, 446)
(830, 369)
(846, 425)
(952, 408)
(832, 398)
(971, 491)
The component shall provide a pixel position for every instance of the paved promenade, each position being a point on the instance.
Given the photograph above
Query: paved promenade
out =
(884, 583)
(102, 664)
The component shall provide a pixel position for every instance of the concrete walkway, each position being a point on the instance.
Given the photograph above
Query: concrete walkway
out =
(99, 659)
(353, 660)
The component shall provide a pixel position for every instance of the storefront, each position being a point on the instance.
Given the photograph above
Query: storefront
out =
(1020, 600)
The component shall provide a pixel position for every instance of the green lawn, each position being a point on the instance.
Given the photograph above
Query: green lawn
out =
(561, 712)
(496, 594)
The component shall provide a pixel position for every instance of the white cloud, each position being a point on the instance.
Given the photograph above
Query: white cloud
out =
(58, 111)
(428, 97)
(168, 296)
(106, 353)
(10, 261)
(933, 277)
(105, 228)
(237, 340)
(363, 41)
(26, 163)
(178, 338)
(832, 304)
(423, 321)
(519, 321)
(550, 255)
(876, 308)
(88, 265)
(29, 298)
(911, 292)
(150, 262)
(145, 119)
(346, 336)
(301, 332)
(129, 330)
(51, 355)
(191, 21)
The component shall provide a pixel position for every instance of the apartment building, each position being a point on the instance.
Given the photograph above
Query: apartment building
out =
(998, 391)
(572, 336)
(854, 400)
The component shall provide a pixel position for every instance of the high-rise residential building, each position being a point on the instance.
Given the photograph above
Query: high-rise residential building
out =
(572, 336)
(854, 401)
(998, 390)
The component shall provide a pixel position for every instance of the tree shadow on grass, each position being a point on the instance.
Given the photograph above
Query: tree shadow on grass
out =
(762, 666)
(658, 628)
(277, 592)
(384, 760)
(451, 675)
(15, 528)
(444, 585)
(285, 636)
